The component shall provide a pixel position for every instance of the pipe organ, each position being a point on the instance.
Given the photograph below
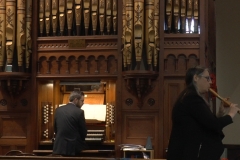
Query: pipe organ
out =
(2, 34)
(15, 35)
(77, 18)
(139, 55)
(182, 16)
(10, 29)
(140, 34)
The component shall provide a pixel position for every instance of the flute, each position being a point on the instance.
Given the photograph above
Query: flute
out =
(219, 97)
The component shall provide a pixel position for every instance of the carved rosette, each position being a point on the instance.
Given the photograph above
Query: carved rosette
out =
(139, 83)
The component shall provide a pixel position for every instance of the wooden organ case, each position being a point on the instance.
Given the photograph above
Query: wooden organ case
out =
(77, 42)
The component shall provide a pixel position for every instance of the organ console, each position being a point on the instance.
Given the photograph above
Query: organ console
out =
(99, 109)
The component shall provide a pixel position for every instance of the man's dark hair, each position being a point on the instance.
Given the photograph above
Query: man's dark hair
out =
(75, 94)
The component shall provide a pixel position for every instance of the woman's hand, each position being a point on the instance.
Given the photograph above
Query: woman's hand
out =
(223, 108)
(233, 110)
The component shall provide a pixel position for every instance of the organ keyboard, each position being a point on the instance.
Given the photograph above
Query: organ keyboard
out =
(95, 135)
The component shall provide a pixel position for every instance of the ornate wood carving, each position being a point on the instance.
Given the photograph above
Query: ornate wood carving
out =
(96, 55)
(139, 83)
(14, 83)
(181, 52)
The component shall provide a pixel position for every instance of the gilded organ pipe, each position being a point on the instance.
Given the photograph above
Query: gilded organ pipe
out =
(86, 12)
(157, 38)
(2, 34)
(62, 7)
(189, 14)
(101, 16)
(195, 16)
(129, 32)
(141, 31)
(138, 30)
(10, 29)
(94, 14)
(115, 16)
(47, 15)
(21, 40)
(78, 14)
(183, 16)
(69, 16)
(61, 15)
(41, 16)
(54, 16)
(108, 15)
(149, 31)
(176, 12)
(169, 14)
(28, 31)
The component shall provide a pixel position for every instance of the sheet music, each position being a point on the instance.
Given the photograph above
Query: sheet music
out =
(94, 111)
(131, 147)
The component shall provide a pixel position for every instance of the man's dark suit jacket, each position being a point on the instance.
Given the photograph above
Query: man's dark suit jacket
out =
(196, 131)
(70, 130)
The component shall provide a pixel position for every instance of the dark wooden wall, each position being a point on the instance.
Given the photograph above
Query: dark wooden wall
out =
(101, 59)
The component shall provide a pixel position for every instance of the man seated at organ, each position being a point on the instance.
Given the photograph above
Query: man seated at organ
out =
(70, 127)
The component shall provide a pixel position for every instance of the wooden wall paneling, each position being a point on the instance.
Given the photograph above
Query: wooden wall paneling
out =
(172, 88)
(211, 35)
(72, 65)
(99, 53)
(33, 140)
(130, 111)
(43, 66)
(111, 92)
(118, 136)
(161, 122)
(138, 126)
(101, 63)
(181, 51)
(15, 111)
(14, 132)
(5, 148)
(92, 65)
(63, 67)
(203, 34)
(53, 65)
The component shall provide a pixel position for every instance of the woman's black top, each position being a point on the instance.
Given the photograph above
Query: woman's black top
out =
(196, 131)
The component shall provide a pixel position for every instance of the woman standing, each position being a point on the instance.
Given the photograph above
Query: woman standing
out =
(196, 131)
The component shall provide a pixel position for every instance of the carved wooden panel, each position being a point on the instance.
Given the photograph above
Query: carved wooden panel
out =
(180, 53)
(172, 88)
(13, 132)
(138, 126)
(18, 100)
(14, 126)
(6, 148)
(97, 56)
(150, 101)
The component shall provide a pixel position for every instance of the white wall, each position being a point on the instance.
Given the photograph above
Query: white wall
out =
(228, 59)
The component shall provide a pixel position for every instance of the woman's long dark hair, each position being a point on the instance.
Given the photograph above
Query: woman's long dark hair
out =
(190, 84)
